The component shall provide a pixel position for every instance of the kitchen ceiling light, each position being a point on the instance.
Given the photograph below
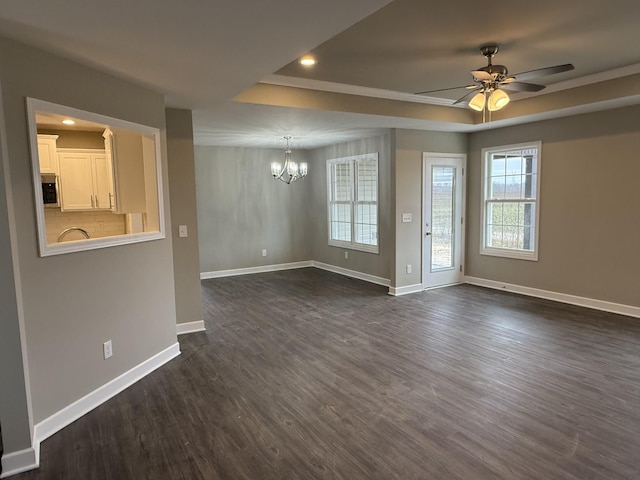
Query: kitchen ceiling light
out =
(68, 121)
(308, 61)
(290, 171)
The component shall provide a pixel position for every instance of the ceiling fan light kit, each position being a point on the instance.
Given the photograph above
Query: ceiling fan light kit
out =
(493, 100)
(497, 100)
(491, 81)
(478, 101)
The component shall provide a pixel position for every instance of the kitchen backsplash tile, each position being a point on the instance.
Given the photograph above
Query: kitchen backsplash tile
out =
(98, 223)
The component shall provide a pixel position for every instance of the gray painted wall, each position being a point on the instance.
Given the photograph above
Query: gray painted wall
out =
(409, 147)
(369, 263)
(74, 302)
(589, 207)
(182, 183)
(14, 415)
(243, 210)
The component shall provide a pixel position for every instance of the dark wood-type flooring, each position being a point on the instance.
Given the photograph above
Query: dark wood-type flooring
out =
(304, 374)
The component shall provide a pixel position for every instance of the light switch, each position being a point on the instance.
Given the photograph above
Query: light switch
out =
(182, 231)
(406, 218)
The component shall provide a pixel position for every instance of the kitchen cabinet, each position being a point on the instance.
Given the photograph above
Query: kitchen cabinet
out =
(125, 149)
(47, 154)
(86, 180)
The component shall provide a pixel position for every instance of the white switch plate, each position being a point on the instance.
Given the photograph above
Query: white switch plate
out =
(346, 254)
(406, 218)
(408, 269)
(182, 231)
(107, 349)
(264, 252)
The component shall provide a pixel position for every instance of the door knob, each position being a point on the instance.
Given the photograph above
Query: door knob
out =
(427, 234)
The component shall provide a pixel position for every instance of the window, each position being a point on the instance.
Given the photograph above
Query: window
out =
(511, 186)
(97, 179)
(352, 185)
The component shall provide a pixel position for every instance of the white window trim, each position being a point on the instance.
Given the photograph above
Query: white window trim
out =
(507, 252)
(47, 249)
(353, 245)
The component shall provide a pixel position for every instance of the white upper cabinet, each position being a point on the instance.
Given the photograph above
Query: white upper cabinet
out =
(86, 180)
(47, 154)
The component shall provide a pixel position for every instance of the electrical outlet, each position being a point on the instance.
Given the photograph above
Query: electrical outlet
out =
(408, 268)
(107, 349)
(182, 231)
(264, 252)
(346, 254)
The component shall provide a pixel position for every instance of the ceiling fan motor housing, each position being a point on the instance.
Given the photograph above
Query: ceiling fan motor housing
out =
(496, 71)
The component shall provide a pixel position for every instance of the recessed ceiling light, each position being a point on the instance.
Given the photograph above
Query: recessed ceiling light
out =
(308, 61)
(68, 121)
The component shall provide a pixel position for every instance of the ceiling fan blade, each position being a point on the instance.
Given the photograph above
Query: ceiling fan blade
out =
(445, 89)
(481, 75)
(521, 87)
(466, 97)
(544, 71)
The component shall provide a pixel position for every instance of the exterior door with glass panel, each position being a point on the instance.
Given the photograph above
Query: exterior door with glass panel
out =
(443, 227)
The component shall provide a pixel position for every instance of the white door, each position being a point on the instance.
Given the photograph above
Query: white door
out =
(443, 227)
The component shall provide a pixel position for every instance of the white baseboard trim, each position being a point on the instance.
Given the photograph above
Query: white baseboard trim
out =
(351, 273)
(190, 327)
(397, 291)
(249, 270)
(77, 409)
(618, 308)
(28, 459)
(290, 266)
(18, 462)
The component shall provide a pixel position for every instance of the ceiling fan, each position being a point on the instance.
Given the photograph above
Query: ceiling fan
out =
(491, 81)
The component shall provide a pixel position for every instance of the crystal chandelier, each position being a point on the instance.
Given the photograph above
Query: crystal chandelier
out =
(290, 171)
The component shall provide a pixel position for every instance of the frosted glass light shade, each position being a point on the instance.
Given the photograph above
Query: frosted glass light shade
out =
(275, 169)
(497, 100)
(477, 102)
(303, 169)
(292, 168)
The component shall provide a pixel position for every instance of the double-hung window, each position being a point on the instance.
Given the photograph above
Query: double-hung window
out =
(510, 201)
(352, 192)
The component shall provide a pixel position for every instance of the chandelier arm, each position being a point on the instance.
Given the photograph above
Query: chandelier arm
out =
(282, 171)
(281, 178)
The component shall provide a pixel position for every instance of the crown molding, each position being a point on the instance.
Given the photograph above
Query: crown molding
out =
(310, 84)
